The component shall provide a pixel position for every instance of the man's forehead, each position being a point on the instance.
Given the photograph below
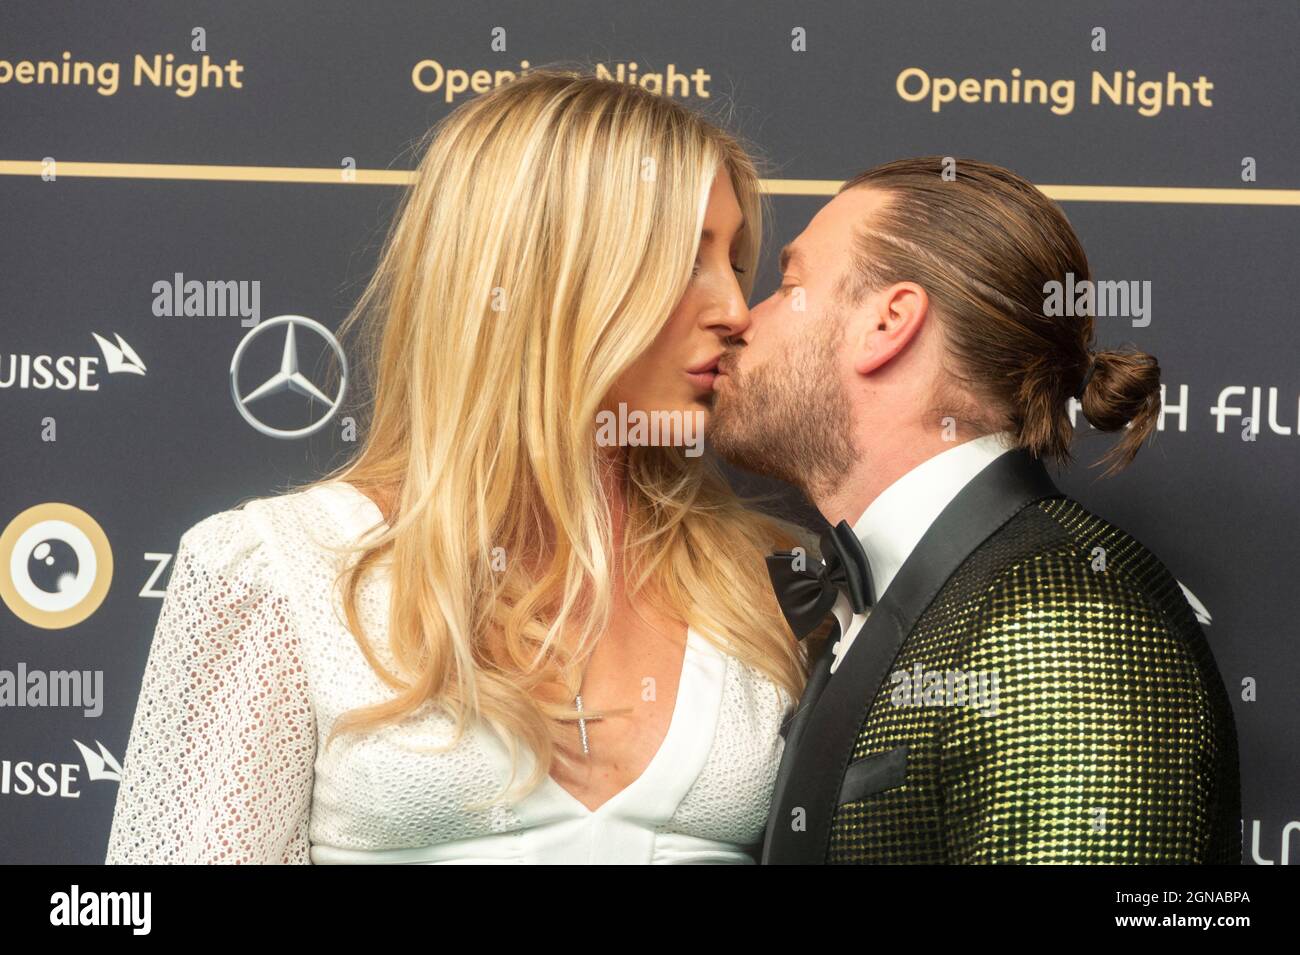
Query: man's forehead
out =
(831, 229)
(849, 210)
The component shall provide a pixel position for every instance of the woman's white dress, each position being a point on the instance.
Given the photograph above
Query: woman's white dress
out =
(251, 664)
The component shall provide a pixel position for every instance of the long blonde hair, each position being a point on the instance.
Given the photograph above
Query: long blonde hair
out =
(549, 233)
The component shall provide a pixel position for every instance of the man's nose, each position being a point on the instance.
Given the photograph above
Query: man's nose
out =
(757, 315)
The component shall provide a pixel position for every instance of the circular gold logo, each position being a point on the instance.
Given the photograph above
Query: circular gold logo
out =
(55, 566)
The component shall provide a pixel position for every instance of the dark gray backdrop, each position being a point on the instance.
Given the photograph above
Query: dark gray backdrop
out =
(146, 456)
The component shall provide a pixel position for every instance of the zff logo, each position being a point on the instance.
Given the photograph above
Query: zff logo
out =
(56, 566)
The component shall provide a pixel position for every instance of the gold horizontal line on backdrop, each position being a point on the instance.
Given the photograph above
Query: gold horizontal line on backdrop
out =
(1244, 196)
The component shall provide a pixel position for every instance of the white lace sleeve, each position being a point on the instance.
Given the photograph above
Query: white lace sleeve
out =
(220, 762)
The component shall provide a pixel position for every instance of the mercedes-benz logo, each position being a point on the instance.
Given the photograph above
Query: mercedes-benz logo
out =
(288, 378)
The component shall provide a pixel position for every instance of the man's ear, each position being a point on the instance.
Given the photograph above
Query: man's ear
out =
(891, 318)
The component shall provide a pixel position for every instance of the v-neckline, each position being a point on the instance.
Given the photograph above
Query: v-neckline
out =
(664, 781)
(685, 685)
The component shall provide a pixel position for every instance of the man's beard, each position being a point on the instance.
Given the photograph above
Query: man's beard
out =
(789, 418)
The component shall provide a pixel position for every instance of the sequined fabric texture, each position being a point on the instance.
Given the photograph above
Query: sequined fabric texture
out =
(1058, 703)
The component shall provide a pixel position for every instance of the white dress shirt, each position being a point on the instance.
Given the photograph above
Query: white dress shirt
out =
(895, 522)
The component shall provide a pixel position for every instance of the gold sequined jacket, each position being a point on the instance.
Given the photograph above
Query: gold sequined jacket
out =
(1033, 687)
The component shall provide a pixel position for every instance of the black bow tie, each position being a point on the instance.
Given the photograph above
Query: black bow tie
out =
(807, 595)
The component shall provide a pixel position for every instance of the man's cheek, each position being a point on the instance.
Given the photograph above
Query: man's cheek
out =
(797, 302)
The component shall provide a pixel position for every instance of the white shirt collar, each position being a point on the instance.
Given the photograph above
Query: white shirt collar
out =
(894, 523)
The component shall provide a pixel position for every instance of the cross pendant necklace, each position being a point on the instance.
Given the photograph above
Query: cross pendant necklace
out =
(582, 724)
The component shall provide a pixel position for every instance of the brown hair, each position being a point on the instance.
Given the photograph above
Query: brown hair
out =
(984, 243)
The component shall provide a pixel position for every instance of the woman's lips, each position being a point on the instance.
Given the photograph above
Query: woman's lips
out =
(703, 375)
(703, 379)
(720, 370)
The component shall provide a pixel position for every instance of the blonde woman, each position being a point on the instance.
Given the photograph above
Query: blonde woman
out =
(491, 637)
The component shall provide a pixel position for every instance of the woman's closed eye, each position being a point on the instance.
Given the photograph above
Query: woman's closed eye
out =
(695, 270)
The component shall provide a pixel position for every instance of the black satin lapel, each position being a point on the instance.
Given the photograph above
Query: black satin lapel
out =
(829, 732)
(817, 679)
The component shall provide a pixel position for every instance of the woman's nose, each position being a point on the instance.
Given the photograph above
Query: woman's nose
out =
(730, 314)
